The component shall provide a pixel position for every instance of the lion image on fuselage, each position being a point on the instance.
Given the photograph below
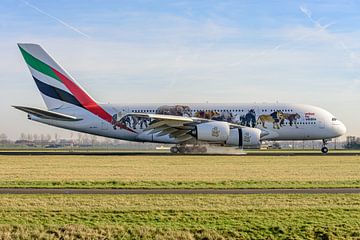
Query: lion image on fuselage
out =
(275, 118)
(291, 117)
(206, 114)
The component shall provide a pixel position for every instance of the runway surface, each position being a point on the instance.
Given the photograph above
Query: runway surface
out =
(179, 191)
(160, 153)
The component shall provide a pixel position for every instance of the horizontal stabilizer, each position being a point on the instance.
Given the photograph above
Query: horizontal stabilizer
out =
(47, 114)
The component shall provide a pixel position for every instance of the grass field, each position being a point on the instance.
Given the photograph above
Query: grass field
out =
(180, 171)
(180, 216)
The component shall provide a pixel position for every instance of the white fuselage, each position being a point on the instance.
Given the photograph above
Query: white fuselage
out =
(296, 121)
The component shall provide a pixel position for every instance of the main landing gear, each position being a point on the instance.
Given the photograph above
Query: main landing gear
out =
(188, 149)
(324, 149)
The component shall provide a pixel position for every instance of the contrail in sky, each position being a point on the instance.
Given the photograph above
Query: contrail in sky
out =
(352, 55)
(317, 24)
(320, 28)
(307, 13)
(57, 19)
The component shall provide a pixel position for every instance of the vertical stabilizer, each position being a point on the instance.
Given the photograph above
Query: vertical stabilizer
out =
(57, 87)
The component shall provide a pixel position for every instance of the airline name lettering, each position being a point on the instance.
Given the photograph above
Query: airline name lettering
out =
(310, 116)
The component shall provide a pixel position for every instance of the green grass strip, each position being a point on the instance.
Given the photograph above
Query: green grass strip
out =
(181, 184)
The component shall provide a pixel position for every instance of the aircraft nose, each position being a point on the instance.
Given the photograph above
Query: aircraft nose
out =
(340, 129)
(343, 129)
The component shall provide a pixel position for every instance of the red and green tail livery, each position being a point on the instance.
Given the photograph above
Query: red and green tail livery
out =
(57, 87)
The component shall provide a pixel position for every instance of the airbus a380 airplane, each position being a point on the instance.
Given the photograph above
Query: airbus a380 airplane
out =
(187, 126)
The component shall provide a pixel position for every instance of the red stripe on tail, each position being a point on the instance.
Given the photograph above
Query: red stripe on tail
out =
(83, 98)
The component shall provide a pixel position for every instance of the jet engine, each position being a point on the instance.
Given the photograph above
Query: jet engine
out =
(212, 131)
(221, 132)
(244, 137)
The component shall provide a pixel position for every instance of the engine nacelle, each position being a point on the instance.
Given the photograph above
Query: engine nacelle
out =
(213, 131)
(244, 137)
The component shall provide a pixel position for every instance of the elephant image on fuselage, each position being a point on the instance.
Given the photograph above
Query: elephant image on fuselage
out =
(177, 110)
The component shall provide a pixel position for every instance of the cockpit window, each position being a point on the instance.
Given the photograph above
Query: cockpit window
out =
(333, 119)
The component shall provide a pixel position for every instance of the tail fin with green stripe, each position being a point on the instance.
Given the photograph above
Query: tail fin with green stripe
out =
(58, 88)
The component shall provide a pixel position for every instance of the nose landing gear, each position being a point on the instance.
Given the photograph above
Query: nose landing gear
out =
(324, 149)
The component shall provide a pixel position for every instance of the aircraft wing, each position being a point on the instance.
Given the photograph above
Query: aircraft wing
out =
(47, 114)
(162, 117)
(178, 127)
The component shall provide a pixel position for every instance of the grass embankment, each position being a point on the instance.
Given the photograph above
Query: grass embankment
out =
(180, 216)
(180, 171)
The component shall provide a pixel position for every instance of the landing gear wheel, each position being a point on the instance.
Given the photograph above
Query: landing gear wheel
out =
(189, 149)
(202, 150)
(324, 150)
(174, 149)
(182, 150)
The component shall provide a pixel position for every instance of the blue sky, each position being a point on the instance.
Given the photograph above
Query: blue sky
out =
(187, 51)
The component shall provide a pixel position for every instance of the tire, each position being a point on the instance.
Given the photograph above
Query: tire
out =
(174, 150)
(324, 150)
(189, 149)
(203, 150)
(182, 150)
